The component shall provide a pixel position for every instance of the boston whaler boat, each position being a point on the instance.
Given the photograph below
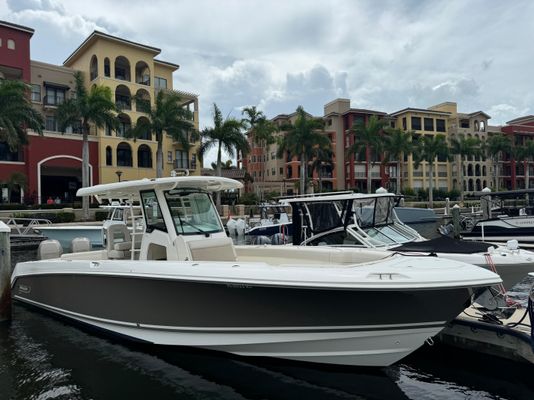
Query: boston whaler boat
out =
(360, 220)
(188, 285)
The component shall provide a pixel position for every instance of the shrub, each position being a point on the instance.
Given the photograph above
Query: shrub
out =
(248, 199)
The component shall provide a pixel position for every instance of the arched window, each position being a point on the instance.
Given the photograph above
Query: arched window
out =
(147, 135)
(142, 73)
(122, 69)
(107, 68)
(484, 172)
(109, 156)
(123, 98)
(142, 101)
(144, 157)
(125, 124)
(10, 44)
(93, 68)
(482, 126)
(124, 155)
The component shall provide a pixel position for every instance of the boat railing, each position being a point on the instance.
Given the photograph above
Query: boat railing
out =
(24, 226)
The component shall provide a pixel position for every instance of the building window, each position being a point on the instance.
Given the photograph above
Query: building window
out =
(160, 83)
(109, 156)
(464, 123)
(124, 155)
(10, 44)
(144, 157)
(7, 155)
(182, 159)
(281, 170)
(54, 96)
(273, 172)
(108, 130)
(440, 125)
(51, 123)
(93, 68)
(107, 69)
(416, 123)
(36, 93)
(429, 124)
(0, 42)
(404, 126)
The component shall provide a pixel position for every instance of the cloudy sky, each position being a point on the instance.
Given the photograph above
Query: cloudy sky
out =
(383, 55)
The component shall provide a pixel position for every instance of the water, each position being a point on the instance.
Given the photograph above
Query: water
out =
(42, 357)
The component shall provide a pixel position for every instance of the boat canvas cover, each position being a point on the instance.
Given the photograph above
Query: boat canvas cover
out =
(445, 244)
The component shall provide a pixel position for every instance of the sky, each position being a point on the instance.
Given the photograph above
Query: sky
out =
(276, 55)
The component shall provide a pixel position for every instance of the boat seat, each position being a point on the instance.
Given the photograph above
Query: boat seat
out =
(119, 241)
(212, 249)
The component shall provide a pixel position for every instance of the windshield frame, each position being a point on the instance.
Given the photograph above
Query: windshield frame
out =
(187, 220)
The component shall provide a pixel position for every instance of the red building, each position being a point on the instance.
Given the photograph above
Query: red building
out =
(51, 163)
(513, 172)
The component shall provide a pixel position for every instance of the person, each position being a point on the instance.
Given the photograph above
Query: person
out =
(57, 200)
(50, 200)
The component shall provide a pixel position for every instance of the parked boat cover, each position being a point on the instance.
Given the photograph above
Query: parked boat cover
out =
(445, 244)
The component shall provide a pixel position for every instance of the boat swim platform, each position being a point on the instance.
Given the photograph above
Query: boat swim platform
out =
(478, 330)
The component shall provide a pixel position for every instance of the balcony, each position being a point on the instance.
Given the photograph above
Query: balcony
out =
(185, 164)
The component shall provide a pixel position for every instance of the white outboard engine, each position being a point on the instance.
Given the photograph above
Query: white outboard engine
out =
(240, 227)
(279, 238)
(231, 226)
(262, 240)
(80, 244)
(48, 249)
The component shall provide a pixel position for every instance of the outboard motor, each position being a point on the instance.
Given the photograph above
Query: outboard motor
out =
(231, 225)
(48, 249)
(240, 227)
(262, 240)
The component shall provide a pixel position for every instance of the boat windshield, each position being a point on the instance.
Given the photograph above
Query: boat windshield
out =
(193, 212)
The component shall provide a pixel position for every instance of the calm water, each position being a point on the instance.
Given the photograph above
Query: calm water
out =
(42, 357)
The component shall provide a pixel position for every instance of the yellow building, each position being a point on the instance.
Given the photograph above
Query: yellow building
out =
(424, 122)
(129, 69)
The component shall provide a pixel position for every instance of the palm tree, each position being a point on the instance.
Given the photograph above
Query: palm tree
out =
(225, 135)
(367, 142)
(300, 139)
(496, 145)
(260, 130)
(526, 153)
(464, 147)
(428, 149)
(397, 143)
(17, 114)
(167, 116)
(322, 156)
(93, 107)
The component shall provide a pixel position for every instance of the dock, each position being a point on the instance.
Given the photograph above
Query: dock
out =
(506, 335)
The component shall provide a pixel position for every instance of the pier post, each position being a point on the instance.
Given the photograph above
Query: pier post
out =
(456, 220)
(5, 273)
(447, 206)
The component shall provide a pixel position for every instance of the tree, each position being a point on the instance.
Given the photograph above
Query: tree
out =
(464, 147)
(17, 114)
(428, 149)
(322, 156)
(496, 145)
(526, 153)
(93, 107)
(166, 117)
(300, 139)
(226, 135)
(367, 142)
(397, 143)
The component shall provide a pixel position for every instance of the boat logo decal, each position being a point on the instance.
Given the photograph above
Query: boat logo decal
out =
(24, 289)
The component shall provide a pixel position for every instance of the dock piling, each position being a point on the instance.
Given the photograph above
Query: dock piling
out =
(456, 220)
(5, 273)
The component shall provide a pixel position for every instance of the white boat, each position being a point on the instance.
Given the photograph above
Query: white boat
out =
(188, 285)
(370, 221)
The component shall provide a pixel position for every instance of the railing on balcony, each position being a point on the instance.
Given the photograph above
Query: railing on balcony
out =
(181, 163)
(142, 106)
(53, 101)
(123, 102)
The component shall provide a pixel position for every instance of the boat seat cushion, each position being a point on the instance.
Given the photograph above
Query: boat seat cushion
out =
(122, 246)
(212, 249)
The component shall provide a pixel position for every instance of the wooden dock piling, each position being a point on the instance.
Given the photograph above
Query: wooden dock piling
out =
(5, 273)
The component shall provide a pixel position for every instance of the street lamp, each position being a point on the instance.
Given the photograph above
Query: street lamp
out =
(119, 173)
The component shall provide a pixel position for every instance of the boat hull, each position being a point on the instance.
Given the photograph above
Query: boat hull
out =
(307, 324)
